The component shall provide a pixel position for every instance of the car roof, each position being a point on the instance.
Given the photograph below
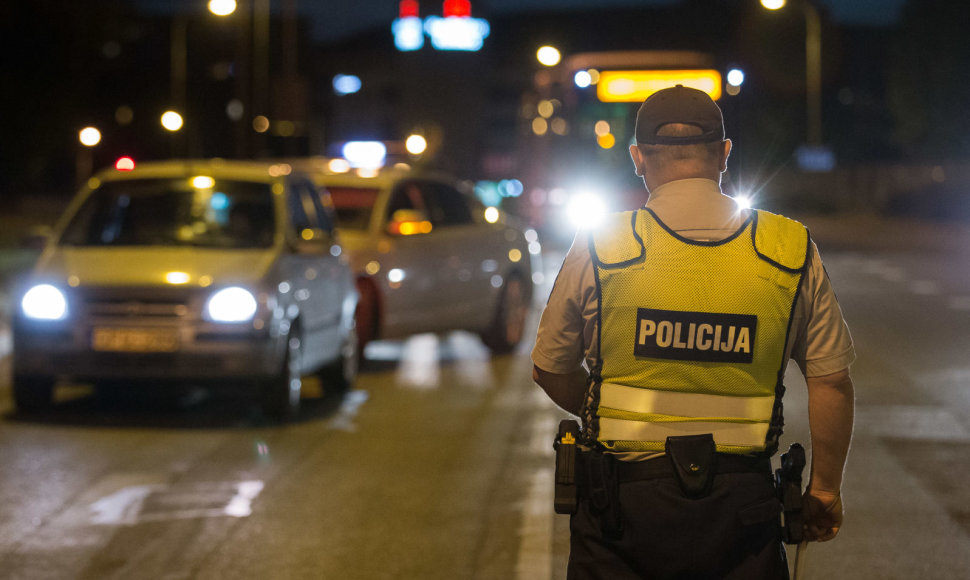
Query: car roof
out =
(319, 170)
(256, 171)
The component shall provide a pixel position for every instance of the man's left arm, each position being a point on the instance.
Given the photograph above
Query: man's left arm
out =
(831, 406)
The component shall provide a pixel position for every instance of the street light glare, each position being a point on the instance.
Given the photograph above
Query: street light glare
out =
(89, 136)
(735, 77)
(416, 144)
(548, 56)
(773, 4)
(171, 121)
(222, 7)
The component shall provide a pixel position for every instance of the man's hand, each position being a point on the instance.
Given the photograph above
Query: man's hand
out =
(823, 515)
(831, 406)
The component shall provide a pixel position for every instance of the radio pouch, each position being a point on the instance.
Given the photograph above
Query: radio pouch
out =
(692, 458)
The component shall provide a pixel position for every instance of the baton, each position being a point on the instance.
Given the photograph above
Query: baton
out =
(799, 565)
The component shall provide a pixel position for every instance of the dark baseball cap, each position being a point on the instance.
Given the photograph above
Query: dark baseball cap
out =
(679, 104)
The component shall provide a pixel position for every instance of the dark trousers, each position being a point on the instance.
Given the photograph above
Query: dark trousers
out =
(732, 533)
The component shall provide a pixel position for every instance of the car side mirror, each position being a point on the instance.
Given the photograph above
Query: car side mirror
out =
(407, 222)
(36, 238)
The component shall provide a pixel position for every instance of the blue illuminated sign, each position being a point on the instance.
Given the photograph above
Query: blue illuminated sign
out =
(457, 30)
(408, 33)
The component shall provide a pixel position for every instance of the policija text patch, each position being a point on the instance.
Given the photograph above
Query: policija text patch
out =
(695, 336)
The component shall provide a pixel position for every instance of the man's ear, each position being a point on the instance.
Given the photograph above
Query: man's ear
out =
(725, 153)
(637, 157)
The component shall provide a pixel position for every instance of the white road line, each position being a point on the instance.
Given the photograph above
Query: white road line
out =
(911, 422)
(535, 551)
(347, 414)
(924, 287)
(961, 303)
(535, 548)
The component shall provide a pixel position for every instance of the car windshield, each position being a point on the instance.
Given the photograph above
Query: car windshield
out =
(198, 211)
(353, 206)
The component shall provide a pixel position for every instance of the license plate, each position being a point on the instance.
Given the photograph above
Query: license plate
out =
(135, 339)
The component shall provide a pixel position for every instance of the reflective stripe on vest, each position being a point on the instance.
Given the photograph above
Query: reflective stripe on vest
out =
(692, 334)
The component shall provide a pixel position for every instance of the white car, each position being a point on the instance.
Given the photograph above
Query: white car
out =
(224, 272)
(429, 257)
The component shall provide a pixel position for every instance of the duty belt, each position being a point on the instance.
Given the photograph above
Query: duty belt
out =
(660, 467)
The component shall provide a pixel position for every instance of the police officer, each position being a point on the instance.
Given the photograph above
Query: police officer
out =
(686, 313)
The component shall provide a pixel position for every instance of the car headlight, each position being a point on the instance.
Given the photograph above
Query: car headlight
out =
(44, 302)
(232, 304)
(586, 210)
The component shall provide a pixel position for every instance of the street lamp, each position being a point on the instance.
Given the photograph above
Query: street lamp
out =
(222, 7)
(813, 66)
(548, 55)
(172, 121)
(416, 144)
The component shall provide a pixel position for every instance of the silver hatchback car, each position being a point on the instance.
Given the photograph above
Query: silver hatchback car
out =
(429, 257)
(222, 272)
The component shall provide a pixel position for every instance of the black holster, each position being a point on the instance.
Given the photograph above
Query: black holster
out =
(788, 484)
(602, 489)
(693, 459)
(567, 457)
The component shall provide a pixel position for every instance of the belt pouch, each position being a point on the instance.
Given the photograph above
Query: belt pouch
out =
(692, 458)
(603, 491)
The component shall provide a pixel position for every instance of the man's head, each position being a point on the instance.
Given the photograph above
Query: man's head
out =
(680, 135)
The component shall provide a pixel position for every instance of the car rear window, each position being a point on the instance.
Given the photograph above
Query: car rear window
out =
(175, 212)
(353, 205)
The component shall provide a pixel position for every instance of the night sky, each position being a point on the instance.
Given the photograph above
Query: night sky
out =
(338, 19)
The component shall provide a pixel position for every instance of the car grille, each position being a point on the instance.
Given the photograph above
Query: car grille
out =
(140, 303)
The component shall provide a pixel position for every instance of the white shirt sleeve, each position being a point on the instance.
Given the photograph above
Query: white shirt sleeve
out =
(567, 327)
(820, 343)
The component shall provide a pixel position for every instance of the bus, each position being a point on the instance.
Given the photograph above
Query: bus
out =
(578, 124)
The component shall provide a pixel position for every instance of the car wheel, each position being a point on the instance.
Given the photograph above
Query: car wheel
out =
(281, 393)
(508, 323)
(339, 375)
(33, 393)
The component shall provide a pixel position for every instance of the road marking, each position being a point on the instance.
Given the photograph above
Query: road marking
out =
(884, 271)
(349, 408)
(158, 502)
(924, 287)
(419, 368)
(535, 551)
(961, 303)
(123, 506)
(910, 422)
(6, 339)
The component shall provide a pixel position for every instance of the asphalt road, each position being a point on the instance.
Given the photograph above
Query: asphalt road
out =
(439, 463)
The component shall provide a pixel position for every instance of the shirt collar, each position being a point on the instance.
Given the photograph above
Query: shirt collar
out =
(696, 205)
(686, 191)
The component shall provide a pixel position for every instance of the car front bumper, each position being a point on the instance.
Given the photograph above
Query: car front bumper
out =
(190, 352)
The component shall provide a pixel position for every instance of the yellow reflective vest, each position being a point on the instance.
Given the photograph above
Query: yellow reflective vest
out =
(693, 334)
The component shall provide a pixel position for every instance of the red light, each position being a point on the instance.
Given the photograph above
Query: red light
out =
(409, 9)
(125, 164)
(461, 8)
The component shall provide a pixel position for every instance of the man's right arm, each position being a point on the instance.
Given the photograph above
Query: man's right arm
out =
(831, 409)
(564, 330)
(567, 391)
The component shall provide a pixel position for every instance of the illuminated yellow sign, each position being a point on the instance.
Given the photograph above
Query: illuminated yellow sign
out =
(633, 86)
